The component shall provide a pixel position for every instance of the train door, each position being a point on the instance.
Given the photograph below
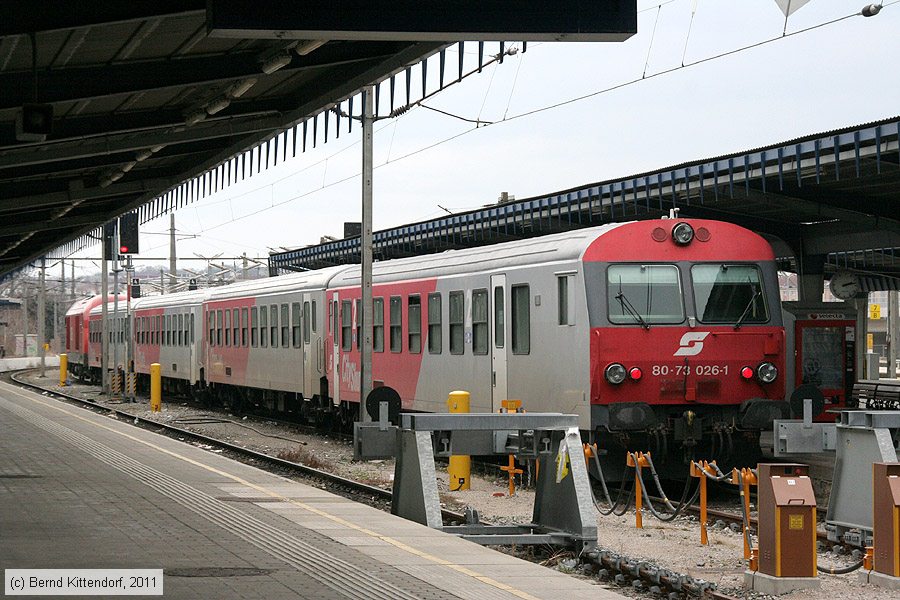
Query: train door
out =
(193, 316)
(310, 376)
(498, 345)
(335, 349)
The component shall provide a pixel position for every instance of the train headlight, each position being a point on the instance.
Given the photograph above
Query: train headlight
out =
(747, 373)
(635, 373)
(767, 372)
(683, 233)
(615, 373)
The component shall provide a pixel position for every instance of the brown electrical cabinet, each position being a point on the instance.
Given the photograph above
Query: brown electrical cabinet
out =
(787, 521)
(886, 522)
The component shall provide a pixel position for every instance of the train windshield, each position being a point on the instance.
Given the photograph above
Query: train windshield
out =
(644, 294)
(729, 294)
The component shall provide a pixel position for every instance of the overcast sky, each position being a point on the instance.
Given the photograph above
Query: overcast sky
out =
(828, 77)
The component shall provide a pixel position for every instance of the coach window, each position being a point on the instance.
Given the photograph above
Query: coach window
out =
(457, 320)
(227, 327)
(235, 327)
(254, 332)
(295, 324)
(263, 327)
(273, 325)
(359, 318)
(521, 319)
(211, 326)
(729, 294)
(346, 326)
(414, 323)
(219, 322)
(396, 324)
(565, 308)
(434, 324)
(378, 324)
(313, 316)
(181, 330)
(306, 317)
(644, 294)
(479, 322)
(170, 330)
(285, 325)
(187, 328)
(192, 328)
(499, 317)
(334, 322)
(244, 327)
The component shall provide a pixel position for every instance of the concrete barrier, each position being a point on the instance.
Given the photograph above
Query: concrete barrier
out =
(29, 362)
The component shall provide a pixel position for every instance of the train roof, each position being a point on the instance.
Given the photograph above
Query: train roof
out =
(557, 247)
(164, 300)
(90, 304)
(78, 307)
(318, 279)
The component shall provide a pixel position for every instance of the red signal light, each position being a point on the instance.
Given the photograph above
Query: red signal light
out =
(747, 372)
(123, 249)
(635, 373)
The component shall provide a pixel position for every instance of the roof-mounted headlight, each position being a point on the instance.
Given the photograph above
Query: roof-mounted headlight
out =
(683, 233)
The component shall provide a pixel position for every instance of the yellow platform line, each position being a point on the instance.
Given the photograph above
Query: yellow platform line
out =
(368, 532)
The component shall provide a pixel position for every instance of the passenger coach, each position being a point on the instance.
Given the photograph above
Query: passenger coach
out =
(663, 333)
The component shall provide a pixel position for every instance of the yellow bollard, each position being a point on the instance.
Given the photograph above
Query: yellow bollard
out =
(460, 467)
(155, 388)
(63, 369)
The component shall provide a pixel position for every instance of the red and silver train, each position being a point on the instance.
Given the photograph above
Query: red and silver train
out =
(663, 333)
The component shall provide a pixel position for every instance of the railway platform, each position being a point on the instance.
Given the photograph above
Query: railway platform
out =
(80, 490)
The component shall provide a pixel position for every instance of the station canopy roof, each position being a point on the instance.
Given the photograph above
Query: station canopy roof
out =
(831, 199)
(107, 107)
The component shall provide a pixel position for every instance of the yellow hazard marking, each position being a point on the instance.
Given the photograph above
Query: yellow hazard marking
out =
(396, 543)
(795, 522)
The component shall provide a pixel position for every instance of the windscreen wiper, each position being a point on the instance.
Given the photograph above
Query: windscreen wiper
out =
(626, 305)
(746, 312)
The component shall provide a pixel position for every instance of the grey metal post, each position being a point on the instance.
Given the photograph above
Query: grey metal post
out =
(893, 330)
(246, 267)
(42, 316)
(365, 371)
(172, 257)
(24, 321)
(104, 321)
(129, 337)
(73, 281)
(116, 330)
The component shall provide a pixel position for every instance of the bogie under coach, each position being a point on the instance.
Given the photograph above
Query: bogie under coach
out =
(662, 334)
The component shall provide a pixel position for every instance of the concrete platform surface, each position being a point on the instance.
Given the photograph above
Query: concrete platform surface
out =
(82, 490)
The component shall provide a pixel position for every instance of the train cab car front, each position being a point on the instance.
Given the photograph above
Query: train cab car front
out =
(687, 342)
